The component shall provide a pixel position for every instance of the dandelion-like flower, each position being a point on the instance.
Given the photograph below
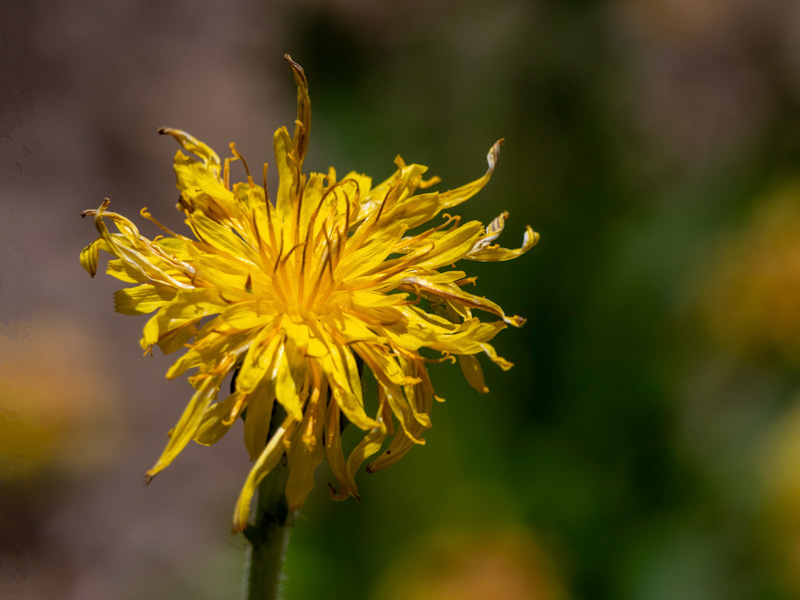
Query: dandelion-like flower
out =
(298, 296)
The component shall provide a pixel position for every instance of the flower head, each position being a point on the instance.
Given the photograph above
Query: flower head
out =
(298, 296)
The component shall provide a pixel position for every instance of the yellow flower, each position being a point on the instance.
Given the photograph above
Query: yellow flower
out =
(307, 291)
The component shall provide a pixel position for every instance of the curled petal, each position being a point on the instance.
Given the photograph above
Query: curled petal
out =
(302, 126)
(90, 255)
(459, 296)
(484, 251)
(189, 143)
(465, 192)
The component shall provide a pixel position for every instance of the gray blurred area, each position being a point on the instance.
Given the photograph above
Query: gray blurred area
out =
(644, 445)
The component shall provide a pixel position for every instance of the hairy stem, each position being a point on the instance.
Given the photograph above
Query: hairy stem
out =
(268, 535)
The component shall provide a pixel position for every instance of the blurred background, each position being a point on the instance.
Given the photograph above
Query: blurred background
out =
(646, 445)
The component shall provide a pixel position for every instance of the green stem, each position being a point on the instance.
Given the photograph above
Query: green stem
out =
(268, 535)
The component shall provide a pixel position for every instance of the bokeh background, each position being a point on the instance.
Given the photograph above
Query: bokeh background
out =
(646, 445)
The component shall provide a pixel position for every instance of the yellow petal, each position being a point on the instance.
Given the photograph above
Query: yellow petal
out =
(203, 190)
(209, 349)
(124, 272)
(395, 191)
(362, 185)
(385, 369)
(258, 417)
(218, 419)
(420, 329)
(221, 272)
(452, 246)
(335, 455)
(385, 366)
(297, 332)
(498, 360)
(369, 445)
(351, 328)
(90, 255)
(473, 372)
(176, 338)
(457, 295)
(486, 253)
(259, 362)
(192, 144)
(306, 452)
(303, 123)
(312, 194)
(139, 253)
(400, 445)
(341, 371)
(286, 389)
(186, 308)
(288, 176)
(142, 299)
(267, 460)
(402, 442)
(242, 316)
(223, 239)
(188, 424)
(455, 197)
(417, 211)
(369, 255)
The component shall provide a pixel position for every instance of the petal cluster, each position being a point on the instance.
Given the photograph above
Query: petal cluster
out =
(304, 296)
